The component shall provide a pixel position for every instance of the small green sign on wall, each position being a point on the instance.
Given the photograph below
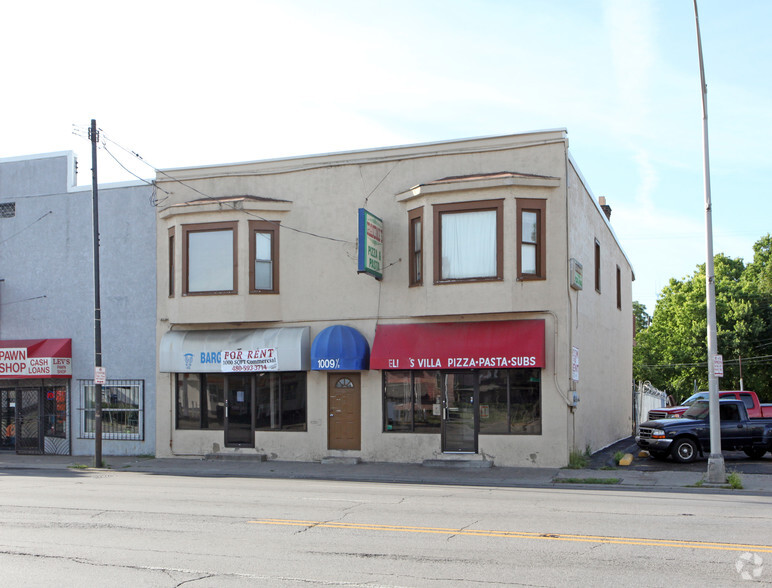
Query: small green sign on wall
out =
(370, 244)
(577, 277)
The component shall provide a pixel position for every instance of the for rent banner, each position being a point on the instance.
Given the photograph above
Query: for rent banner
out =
(250, 360)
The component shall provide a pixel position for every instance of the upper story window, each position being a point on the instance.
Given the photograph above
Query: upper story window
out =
(468, 241)
(209, 261)
(619, 288)
(531, 229)
(597, 266)
(263, 257)
(415, 245)
(7, 209)
(171, 261)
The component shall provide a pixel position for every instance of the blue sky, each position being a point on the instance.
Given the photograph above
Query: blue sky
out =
(195, 83)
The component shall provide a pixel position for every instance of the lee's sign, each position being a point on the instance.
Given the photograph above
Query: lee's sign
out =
(250, 360)
(14, 363)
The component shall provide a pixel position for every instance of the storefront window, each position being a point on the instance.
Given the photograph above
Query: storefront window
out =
(56, 412)
(201, 401)
(412, 401)
(427, 412)
(293, 385)
(494, 405)
(188, 401)
(509, 401)
(525, 402)
(280, 401)
(122, 409)
(397, 391)
(213, 415)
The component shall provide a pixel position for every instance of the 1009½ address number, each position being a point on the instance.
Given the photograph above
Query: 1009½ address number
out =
(328, 364)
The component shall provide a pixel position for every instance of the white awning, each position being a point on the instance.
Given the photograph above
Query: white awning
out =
(201, 351)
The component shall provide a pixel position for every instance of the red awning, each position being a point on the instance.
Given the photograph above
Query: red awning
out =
(494, 344)
(36, 358)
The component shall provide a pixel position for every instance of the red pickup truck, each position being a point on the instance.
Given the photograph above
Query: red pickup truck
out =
(755, 409)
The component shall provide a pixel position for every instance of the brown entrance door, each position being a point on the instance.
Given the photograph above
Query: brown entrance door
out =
(344, 403)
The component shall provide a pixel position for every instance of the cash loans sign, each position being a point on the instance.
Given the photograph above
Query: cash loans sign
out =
(370, 244)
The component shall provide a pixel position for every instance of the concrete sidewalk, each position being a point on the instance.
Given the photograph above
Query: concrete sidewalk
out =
(404, 473)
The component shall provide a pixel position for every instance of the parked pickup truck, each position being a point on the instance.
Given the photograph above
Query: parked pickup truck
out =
(749, 399)
(686, 438)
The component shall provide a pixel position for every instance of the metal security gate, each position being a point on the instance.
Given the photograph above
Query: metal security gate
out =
(29, 421)
(8, 419)
(35, 420)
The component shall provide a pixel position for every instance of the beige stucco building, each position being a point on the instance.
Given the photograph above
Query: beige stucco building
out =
(487, 316)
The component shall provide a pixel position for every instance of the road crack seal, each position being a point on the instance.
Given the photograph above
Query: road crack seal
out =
(460, 530)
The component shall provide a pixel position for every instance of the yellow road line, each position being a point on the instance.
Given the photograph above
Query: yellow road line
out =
(522, 535)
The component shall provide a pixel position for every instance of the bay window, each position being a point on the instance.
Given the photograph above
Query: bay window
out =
(531, 228)
(468, 241)
(209, 258)
(415, 246)
(263, 255)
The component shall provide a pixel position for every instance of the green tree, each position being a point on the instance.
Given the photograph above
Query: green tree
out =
(642, 318)
(672, 351)
(757, 283)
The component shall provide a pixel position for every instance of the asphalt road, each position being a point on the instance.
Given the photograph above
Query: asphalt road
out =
(97, 527)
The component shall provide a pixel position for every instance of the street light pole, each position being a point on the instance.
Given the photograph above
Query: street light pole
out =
(716, 469)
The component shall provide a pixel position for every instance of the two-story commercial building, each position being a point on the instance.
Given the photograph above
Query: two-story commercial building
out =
(47, 310)
(465, 298)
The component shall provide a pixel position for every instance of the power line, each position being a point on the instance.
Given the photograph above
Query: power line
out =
(27, 227)
(231, 205)
(746, 360)
(23, 300)
(104, 146)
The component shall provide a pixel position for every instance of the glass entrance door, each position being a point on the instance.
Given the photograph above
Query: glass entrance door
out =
(459, 423)
(239, 427)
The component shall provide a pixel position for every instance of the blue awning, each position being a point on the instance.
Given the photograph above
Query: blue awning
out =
(340, 348)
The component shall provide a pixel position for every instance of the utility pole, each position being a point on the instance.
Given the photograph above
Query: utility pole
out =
(716, 469)
(93, 134)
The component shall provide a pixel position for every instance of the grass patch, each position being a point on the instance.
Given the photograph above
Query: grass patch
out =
(618, 456)
(80, 466)
(734, 481)
(578, 460)
(588, 480)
